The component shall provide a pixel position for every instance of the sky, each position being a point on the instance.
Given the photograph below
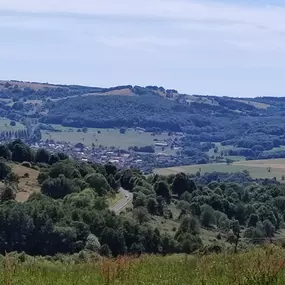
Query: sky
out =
(210, 47)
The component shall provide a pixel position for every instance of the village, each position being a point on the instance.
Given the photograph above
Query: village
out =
(130, 158)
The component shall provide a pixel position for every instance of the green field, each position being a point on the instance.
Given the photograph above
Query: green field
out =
(257, 267)
(107, 137)
(5, 125)
(256, 168)
(275, 149)
(224, 149)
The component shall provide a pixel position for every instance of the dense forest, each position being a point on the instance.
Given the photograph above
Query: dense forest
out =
(71, 214)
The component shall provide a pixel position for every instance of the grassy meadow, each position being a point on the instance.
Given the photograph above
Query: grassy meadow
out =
(106, 137)
(268, 168)
(27, 185)
(223, 150)
(259, 267)
(5, 125)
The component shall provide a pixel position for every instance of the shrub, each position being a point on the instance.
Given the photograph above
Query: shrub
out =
(42, 177)
(5, 169)
(105, 250)
(92, 243)
(8, 193)
(58, 187)
(26, 164)
(190, 225)
(98, 182)
(191, 243)
(141, 214)
(268, 228)
(207, 216)
(12, 177)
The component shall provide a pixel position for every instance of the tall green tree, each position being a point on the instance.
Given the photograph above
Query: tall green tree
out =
(42, 155)
(5, 152)
(5, 169)
(162, 189)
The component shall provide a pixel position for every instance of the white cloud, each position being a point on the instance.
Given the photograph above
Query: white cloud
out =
(196, 43)
(146, 43)
(264, 16)
(239, 25)
(233, 19)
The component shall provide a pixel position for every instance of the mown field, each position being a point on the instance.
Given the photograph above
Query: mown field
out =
(260, 266)
(5, 125)
(268, 168)
(223, 150)
(106, 137)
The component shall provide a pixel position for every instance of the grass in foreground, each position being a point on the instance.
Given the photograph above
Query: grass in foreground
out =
(261, 266)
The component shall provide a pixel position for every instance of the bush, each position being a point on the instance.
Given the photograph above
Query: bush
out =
(12, 177)
(13, 123)
(42, 177)
(92, 243)
(123, 130)
(5, 152)
(21, 152)
(141, 214)
(189, 225)
(105, 250)
(58, 187)
(190, 243)
(207, 216)
(98, 182)
(42, 155)
(26, 164)
(5, 169)
(268, 228)
(8, 193)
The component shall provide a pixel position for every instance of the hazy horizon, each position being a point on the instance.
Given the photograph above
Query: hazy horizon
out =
(225, 48)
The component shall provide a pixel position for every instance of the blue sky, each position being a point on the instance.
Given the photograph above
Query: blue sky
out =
(231, 48)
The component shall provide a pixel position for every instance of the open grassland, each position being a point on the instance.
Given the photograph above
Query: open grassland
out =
(223, 150)
(257, 105)
(27, 185)
(105, 137)
(32, 85)
(258, 267)
(268, 168)
(5, 125)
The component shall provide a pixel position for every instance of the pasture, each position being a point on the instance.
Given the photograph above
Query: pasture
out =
(257, 105)
(104, 137)
(223, 150)
(5, 125)
(268, 168)
(27, 185)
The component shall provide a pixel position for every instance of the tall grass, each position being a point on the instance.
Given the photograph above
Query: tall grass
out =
(259, 267)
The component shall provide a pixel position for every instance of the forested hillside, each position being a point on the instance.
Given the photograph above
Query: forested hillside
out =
(169, 214)
(252, 128)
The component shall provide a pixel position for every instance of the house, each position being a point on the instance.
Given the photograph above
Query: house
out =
(161, 144)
